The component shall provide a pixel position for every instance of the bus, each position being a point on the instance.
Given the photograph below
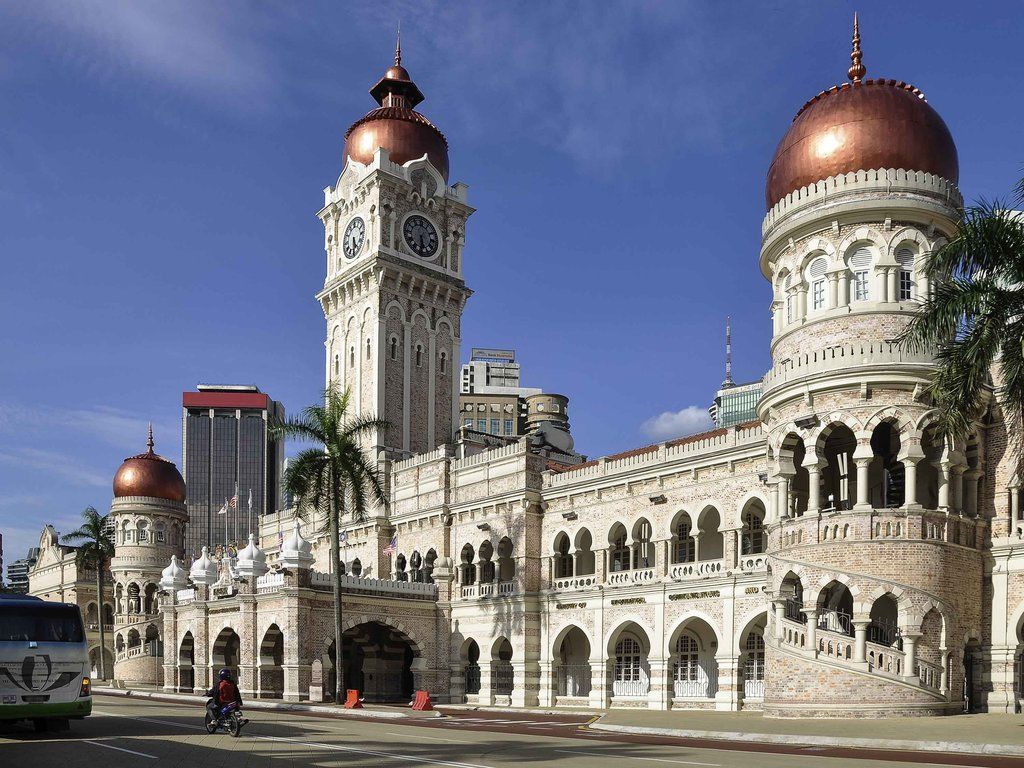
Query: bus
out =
(44, 663)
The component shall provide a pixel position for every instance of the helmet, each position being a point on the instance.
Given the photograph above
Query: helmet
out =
(225, 674)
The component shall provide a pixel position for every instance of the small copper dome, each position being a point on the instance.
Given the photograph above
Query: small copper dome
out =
(395, 125)
(858, 126)
(149, 475)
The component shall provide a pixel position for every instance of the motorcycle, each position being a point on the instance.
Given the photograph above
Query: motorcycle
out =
(229, 718)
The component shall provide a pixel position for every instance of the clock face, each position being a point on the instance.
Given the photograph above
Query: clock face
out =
(420, 236)
(355, 233)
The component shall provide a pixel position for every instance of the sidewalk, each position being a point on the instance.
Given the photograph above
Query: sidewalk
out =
(995, 734)
(275, 705)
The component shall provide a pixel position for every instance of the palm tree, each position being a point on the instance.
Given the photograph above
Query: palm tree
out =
(975, 315)
(332, 478)
(95, 548)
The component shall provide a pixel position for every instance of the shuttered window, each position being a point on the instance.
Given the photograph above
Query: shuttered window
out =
(860, 264)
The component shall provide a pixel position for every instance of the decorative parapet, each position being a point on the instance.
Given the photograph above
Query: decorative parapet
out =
(842, 357)
(441, 452)
(409, 590)
(684, 448)
(183, 596)
(269, 582)
(891, 181)
(512, 449)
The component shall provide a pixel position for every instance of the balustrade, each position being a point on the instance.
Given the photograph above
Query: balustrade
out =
(699, 570)
(634, 576)
(576, 582)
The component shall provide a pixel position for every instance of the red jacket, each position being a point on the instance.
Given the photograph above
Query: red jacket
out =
(227, 692)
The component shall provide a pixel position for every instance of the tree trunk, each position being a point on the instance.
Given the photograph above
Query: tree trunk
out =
(339, 655)
(103, 642)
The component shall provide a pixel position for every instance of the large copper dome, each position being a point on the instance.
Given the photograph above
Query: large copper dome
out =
(396, 126)
(149, 475)
(861, 125)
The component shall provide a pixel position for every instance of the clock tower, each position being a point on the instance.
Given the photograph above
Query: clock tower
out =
(393, 296)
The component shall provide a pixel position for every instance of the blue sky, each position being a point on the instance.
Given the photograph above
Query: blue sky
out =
(161, 165)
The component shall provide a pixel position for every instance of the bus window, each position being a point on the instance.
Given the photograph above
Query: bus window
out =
(43, 623)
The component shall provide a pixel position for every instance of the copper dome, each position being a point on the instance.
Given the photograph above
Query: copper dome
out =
(857, 126)
(149, 475)
(396, 126)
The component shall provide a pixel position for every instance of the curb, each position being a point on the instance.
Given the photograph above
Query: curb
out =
(262, 704)
(521, 710)
(956, 747)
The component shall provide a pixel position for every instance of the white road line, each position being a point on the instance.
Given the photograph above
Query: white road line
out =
(634, 757)
(420, 736)
(119, 749)
(375, 753)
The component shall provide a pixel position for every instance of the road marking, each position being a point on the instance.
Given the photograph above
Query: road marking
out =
(420, 736)
(119, 749)
(633, 757)
(375, 753)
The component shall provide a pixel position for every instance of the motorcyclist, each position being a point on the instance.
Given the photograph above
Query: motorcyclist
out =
(223, 693)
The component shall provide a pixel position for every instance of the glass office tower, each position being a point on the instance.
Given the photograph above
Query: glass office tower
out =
(229, 452)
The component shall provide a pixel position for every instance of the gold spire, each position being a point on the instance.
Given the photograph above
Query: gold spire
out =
(857, 70)
(149, 442)
(398, 46)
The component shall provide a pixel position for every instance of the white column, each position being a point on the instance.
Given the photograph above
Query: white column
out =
(844, 289)
(863, 491)
(813, 489)
(860, 642)
(784, 501)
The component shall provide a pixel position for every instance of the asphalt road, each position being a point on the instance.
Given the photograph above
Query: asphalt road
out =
(124, 732)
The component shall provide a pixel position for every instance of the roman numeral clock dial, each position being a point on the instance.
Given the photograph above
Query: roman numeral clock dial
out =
(420, 236)
(355, 233)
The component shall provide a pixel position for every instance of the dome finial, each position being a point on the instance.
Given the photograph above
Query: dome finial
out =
(149, 442)
(857, 70)
(398, 46)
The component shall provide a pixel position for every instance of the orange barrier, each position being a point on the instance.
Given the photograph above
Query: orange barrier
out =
(352, 699)
(422, 702)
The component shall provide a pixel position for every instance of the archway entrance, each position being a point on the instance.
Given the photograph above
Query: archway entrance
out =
(94, 662)
(378, 662)
(186, 664)
(227, 652)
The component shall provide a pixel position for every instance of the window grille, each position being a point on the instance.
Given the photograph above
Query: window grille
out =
(631, 675)
(818, 294)
(860, 264)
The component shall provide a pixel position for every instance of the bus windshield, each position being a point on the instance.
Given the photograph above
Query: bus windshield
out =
(45, 623)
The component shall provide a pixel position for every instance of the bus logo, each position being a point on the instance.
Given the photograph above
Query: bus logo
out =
(37, 675)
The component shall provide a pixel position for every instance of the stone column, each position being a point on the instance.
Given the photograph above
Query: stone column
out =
(833, 290)
(813, 488)
(801, 302)
(1014, 506)
(784, 501)
(600, 687)
(526, 676)
(944, 678)
(890, 275)
(863, 491)
(660, 694)
(860, 640)
(944, 471)
(546, 695)
(910, 483)
(910, 656)
(956, 488)
(729, 694)
(780, 615)
(844, 289)
(970, 491)
(773, 502)
(812, 629)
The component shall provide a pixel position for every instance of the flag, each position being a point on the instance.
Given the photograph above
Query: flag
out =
(224, 508)
(343, 538)
(250, 501)
(392, 546)
(233, 504)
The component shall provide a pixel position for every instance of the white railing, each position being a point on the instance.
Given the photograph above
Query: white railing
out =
(704, 687)
(185, 595)
(573, 680)
(576, 582)
(700, 570)
(793, 634)
(488, 589)
(842, 356)
(634, 576)
(835, 646)
(754, 563)
(753, 689)
(930, 675)
(470, 590)
(94, 627)
(269, 582)
(638, 687)
(886, 661)
(512, 449)
(506, 587)
(415, 590)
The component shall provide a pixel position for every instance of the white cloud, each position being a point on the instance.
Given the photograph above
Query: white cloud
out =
(58, 466)
(669, 424)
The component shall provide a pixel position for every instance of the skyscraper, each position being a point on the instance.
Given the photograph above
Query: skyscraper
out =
(229, 456)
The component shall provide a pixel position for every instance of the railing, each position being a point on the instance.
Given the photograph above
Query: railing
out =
(502, 678)
(410, 590)
(842, 356)
(885, 632)
(576, 582)
(269, 582)
(506, 587)
(469, 590)
(887, 661)
(472, 678)
(634, 576)
(573, 680)
(185, 595)
(753, 689)
(836, 646)
(699, 570)
(795, 611)
(639, 686)
(836, 621)
(703, 686)
(929, 674)
(793, 633)
(94, 627)
(754, 563)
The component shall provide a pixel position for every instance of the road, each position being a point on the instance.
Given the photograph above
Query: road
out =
(124, 732)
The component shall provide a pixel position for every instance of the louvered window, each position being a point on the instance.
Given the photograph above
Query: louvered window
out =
(860, 265)
(816, 272)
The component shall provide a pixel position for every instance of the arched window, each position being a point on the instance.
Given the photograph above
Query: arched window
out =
(860, 266)
(816, 275)
(337, 366)
(618, 555)
(352, 357)
(905, 258)
(444, 363)
(686, 660)
(753, 663)
(143, 531)
(787, 284)
(419, 355)
(367, 349)
(686, 545)
(394, 348)
(159, 532)
(415, 567)
(428, 566)
(752, 538)
(563, 560)
(631, 675)
(357, 567)
(400, 574)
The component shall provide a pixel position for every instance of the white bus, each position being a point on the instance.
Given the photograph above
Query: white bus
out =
(44, 662)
